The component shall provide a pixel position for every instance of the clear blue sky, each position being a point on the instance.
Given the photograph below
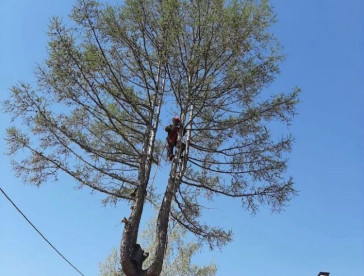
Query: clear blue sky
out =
(321, 230)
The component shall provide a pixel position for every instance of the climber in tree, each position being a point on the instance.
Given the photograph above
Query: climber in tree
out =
(173, 131)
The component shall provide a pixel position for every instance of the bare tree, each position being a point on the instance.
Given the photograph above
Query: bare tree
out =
(100, 94)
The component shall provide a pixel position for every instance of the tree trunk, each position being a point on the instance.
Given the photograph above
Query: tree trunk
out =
(164, 213)
(132, 256)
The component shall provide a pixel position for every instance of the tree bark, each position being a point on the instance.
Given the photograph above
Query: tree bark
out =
(174, 181)
(130, 266)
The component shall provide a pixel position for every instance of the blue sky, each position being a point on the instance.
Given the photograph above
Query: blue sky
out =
(320, 230)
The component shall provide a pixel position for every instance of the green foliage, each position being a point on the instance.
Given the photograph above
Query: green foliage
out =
(94, 113)
(111, 266)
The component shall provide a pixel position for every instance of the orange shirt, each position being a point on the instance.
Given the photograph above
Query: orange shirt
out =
(172, 134)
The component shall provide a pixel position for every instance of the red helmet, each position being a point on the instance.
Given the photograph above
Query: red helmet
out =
(176, 119)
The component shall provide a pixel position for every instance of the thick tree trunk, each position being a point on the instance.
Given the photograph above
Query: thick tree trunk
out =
(132, 256)
(130, 233)
(174, 181)
(130, 267)
(162, 222)
(128, 249)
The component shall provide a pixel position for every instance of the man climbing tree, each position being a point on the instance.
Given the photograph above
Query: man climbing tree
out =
(96, 111)
(173, 131)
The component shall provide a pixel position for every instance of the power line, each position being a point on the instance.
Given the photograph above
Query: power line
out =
(59, 253)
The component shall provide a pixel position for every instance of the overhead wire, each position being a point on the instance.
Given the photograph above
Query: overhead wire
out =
(35, 228)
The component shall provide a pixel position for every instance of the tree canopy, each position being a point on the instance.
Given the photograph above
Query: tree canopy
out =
(114, 74)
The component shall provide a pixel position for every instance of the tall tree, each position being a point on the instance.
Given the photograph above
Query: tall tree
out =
(95, 112)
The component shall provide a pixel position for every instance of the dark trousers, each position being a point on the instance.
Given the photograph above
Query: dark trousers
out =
(171, 148)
